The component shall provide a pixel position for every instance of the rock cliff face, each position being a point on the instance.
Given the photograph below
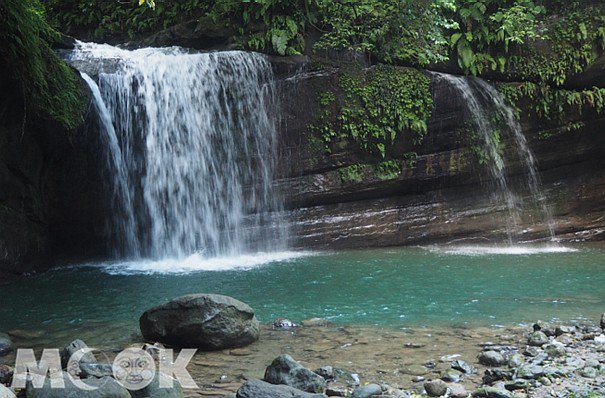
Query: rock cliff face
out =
(441, 196)
(49, 201)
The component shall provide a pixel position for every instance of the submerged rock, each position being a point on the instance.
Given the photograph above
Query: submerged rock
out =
(285, 370)
(315, 322)
(260, 389)
(282, 323)
(492, 392)
(491, 358)
(435, 388)
(206, 321)
(6, 344)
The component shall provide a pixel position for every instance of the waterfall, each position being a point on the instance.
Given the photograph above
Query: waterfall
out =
(485, 105)
(191, 143)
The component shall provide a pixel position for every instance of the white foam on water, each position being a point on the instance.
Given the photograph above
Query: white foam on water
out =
(197, 263)
(500, 250)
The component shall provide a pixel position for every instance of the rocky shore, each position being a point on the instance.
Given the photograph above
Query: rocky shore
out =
(316, 359)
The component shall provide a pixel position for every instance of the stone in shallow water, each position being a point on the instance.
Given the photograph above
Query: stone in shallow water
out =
(260, 389)
(451, 375)
(284, 324)
(516, 360)
(457, 391)
(6, 344)
(327, 372)
(435, 388)
(562, 329)
(603, 321)
(206, 321)
(589, 373)
(367, 391)
(537, 339)
(285, 370)
(315, 322)
(555, 350)
(463, 367)
(415, 370)
(492, 392)
(491, 358)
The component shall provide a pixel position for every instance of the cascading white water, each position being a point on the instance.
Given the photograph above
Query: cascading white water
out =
(534, 182)
(193, 157)
(484, 102)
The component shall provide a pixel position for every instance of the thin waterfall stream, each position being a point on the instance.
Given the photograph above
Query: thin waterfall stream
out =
(191, 142)
(483, 102)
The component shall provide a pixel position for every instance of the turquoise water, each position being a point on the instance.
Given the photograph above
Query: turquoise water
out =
(398, 288)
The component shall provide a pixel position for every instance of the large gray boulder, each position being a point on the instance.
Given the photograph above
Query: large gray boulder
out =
(260, 389)
(285, 370)
(6, 344)
(106, 387)
(205, 321)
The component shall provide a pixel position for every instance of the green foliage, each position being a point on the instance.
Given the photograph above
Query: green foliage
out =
(388, 170)
(392, 30)
(552, 104)
(487, 28)
(50, 88)
(273, 25)
(353, 173)
(373, 108)
(575, 39)
(100, 20)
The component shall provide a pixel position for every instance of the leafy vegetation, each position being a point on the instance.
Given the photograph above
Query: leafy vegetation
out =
(553, 104)
(374, 108)
(50, 88)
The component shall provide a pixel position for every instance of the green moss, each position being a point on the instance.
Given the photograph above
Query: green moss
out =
(51, 88)
(373, 108)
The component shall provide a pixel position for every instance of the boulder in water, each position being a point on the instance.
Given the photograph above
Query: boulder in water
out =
(603, 321)
(285, 370)
(260, 389)
(205, 321)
